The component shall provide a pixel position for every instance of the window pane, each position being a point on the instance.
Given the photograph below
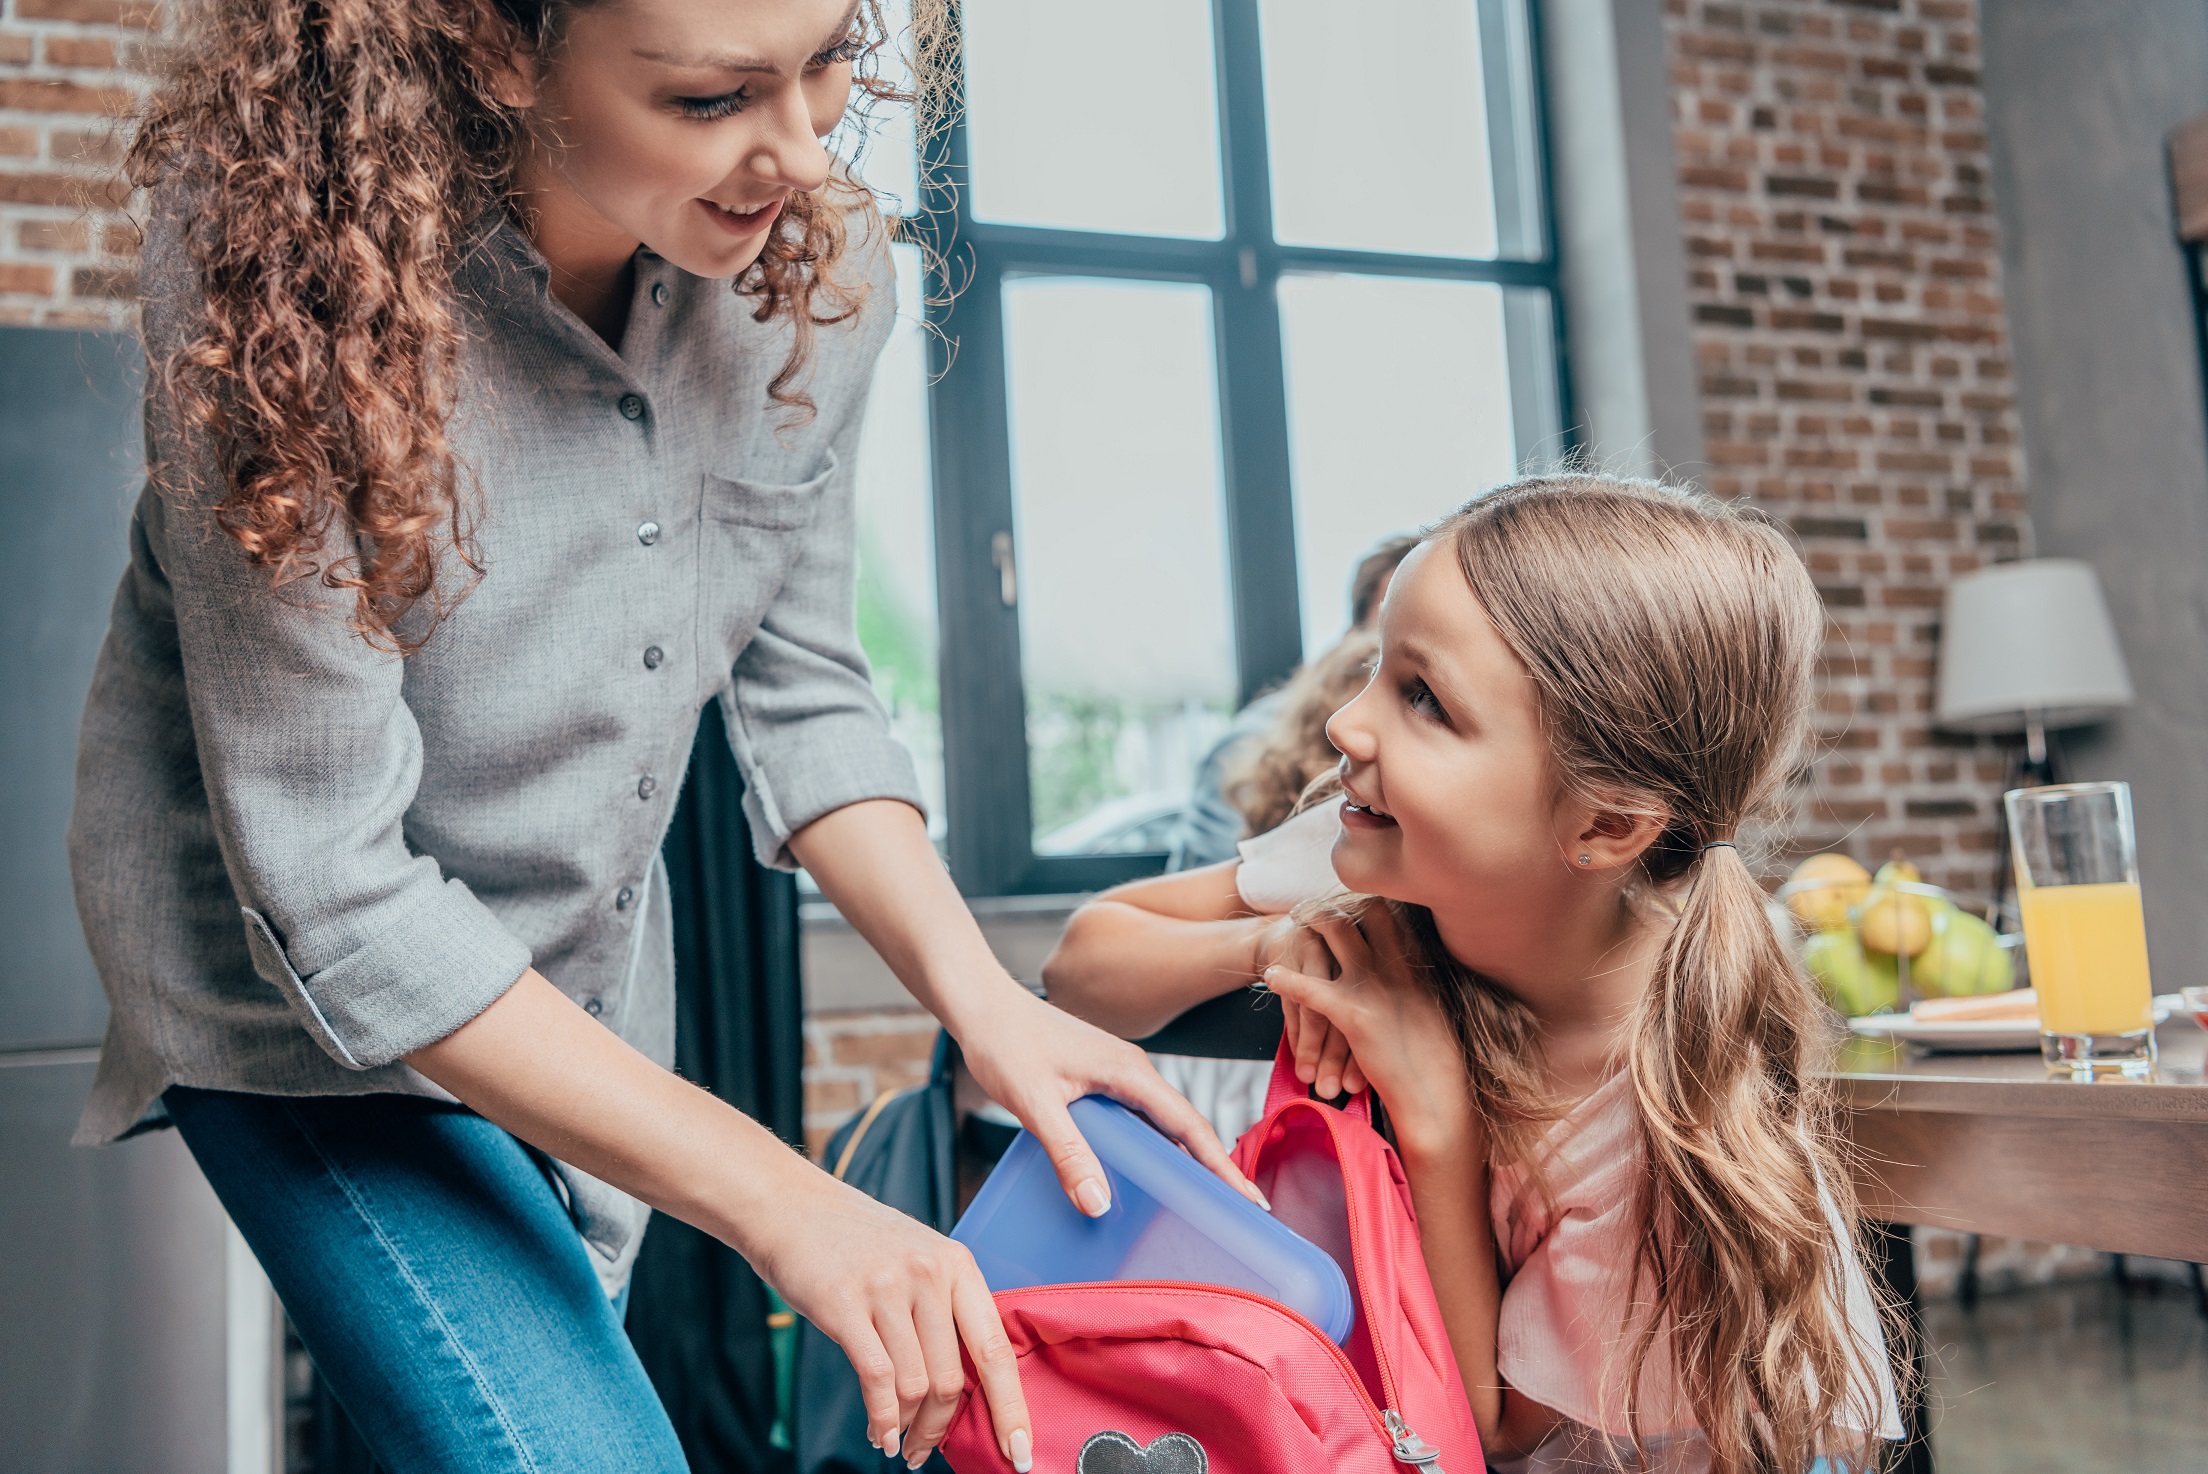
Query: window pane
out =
(1399, 407)
(897, 614)
(1378, 130)
(1120, 525)
(877, 138)
(1093, 118)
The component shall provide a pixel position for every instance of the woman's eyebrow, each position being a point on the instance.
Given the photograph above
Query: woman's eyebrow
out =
(730, 61)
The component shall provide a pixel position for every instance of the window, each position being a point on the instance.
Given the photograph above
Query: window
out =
(1232, 292)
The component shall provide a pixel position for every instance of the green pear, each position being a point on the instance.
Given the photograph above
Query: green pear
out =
(1856, 982)
(1965, 957)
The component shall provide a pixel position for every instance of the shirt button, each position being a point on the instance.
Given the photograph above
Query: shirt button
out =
(624, 898)
(632, 408)
(646, 786)
(659, 294)
(647, 533)
(653, 656)
(594, 1008)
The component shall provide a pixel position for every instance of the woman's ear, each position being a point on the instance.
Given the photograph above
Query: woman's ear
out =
(513, 79)
(1609, 839)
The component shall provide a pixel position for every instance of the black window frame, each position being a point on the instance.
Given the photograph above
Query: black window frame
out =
(983, 696)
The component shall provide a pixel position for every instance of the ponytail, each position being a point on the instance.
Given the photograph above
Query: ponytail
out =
(1746, 1178)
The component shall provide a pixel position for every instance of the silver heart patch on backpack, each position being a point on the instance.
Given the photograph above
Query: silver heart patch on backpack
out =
(1113, 1452)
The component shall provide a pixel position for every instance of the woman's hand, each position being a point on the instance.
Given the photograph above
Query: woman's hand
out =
(1378, 1016)
(899, 1299)
(896, 1296)
(1035, 1060)
(874, 861)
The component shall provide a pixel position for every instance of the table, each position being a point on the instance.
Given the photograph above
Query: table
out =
(1993, 1144)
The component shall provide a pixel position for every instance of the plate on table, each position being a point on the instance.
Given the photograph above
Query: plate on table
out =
(1974, 1036)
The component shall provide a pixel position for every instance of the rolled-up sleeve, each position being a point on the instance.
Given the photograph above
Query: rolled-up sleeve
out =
(310, 760)
(808, 730)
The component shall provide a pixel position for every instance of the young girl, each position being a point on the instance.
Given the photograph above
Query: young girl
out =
(1537, 942)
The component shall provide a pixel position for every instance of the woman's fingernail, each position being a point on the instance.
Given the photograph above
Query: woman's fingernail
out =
(1093, 1196)
(889, 1444)
(1023, 1452)
(916, 1461)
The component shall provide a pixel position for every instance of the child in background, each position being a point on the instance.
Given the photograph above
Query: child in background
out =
(1524, 922)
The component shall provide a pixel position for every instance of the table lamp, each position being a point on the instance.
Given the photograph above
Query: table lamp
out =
(2026, 647)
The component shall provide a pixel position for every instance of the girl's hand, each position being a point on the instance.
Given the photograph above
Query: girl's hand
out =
(1384, 1020)
(1035, 1060)
(899, 1299)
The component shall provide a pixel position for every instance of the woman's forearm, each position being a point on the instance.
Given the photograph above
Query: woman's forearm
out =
(541, 1067)
(1133, 971)
(875, 862)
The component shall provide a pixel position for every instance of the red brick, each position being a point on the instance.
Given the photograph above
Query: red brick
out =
(33, 281)
(36, 95)
(139, 14)
(80, 51)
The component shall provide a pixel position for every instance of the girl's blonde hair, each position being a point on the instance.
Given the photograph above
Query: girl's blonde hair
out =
(1671, 638)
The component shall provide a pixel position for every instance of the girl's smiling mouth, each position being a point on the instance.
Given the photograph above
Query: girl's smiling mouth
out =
(1364, 816)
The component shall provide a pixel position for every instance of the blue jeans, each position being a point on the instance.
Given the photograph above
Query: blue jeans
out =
(436, 1278)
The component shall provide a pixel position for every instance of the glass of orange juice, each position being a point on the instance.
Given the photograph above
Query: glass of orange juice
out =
(2085, 935)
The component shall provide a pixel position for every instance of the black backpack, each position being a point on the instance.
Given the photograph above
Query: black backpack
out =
(906, 1150)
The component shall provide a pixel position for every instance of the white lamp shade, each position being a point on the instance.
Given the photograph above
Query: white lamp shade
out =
(2029, 639)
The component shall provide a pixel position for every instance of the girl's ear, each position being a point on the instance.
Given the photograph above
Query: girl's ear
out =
(1609, 839)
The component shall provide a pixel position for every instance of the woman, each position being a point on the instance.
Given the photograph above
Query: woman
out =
(471, 481)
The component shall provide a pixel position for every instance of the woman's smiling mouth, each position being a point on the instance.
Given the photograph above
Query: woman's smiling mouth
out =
(742, 222)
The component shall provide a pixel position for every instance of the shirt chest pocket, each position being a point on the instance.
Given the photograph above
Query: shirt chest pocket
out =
(767, 505)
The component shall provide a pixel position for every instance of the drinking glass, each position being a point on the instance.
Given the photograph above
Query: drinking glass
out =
(2077, 877)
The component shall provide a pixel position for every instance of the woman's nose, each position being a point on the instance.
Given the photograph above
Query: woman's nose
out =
(789, 152)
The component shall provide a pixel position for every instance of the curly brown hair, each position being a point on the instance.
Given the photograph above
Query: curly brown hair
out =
(340, 158)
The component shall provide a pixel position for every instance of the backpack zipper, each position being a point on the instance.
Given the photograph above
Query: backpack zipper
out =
(1410, 1448)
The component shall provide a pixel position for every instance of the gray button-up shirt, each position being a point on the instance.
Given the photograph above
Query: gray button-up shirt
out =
(299, 857)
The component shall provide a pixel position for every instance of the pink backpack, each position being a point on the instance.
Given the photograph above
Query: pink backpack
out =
(1160, 1377)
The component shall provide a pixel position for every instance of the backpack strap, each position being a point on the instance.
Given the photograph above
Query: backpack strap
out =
(1286, 1087)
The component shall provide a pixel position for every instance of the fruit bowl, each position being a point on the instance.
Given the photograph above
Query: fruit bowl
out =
(1879, 943)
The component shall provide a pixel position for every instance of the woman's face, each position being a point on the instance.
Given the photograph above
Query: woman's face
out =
(685, 124)
(1450, 801)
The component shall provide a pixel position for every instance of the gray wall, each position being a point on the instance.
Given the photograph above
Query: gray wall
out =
(2080, 96)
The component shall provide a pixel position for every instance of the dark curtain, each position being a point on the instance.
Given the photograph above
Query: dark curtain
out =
(697, 1314)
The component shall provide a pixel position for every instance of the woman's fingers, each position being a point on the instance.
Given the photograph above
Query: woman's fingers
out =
(1079, 1172)
(1170, 1111)
(894, 1308)
(877, 1384)
(995, 1368)
(935, 1323)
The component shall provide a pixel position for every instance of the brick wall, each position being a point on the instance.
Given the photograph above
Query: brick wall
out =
(68, 70)
(852, 1057)
(1853, 350)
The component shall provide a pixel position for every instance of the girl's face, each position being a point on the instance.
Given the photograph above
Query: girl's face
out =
(1450, 799)
(685, 124)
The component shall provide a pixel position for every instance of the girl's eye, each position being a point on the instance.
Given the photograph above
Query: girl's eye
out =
(1423, 701)
(850, 48)
(726, 105)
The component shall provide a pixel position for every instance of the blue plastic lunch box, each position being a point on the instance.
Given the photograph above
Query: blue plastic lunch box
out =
(1170, 1219)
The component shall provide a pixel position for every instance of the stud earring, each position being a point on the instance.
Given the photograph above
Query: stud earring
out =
(1586, 859)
